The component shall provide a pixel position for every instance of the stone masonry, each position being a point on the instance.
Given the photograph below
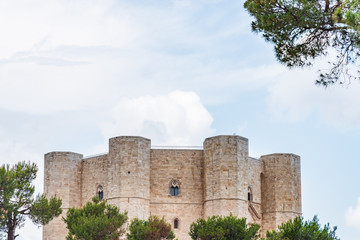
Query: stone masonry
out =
(219, 179)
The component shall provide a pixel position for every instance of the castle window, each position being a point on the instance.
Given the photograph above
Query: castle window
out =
(174, 191)
(176, 223)
(250, 195)
(100, 192)
(174, 187)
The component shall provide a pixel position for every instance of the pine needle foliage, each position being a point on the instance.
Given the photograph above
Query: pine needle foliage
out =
(97, 220)
(17, 199)
(303, 30)
(298, 229)
(153, 228)
(223, 228)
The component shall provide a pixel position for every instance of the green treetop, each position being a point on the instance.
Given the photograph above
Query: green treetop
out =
(153, 228)
(302, 30)
(17, 199)
(298, 229)
(223, 228)
(97, 220)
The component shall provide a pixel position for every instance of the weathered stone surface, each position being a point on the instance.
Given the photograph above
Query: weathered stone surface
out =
(62, 178)
(218, 180)
(185, 166)
(280, 189)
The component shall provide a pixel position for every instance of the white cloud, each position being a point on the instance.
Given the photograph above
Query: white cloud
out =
(12, 150)
(295, 97)
(353, 215)
(29, 232)
(178, 118)
(88, 23)
(87, 54)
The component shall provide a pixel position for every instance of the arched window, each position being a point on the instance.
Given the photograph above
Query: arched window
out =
(174, 191)
(176, 223)
(174, 187)
(100, 192)
(250, 195)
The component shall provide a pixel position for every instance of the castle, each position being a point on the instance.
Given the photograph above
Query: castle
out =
(180, 184)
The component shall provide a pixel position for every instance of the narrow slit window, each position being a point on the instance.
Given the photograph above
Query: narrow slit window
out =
(176, 223)
(250, 195)
(100, 192)
(101, 195)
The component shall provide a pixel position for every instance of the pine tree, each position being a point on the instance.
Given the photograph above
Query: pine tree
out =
(221, 228)
(17, 199)
(303, 30)
(97, 220)
(153, 228)
(298, 229)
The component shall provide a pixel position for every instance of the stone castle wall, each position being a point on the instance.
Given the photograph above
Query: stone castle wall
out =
(280, 189)
(93, 174)
(218, 180)
(62, 177)
(129, 175)
(185, 166)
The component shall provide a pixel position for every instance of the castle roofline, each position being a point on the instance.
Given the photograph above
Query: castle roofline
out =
(63, 153)
(129, 137)
(242, 138)
(279, 154)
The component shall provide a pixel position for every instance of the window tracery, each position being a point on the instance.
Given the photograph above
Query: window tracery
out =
(174, 187)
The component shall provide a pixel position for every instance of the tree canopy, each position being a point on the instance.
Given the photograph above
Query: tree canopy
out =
(17, 199)
(96, 220)
(298, 229)
(303, 30)
(153, 228)
(223, 228)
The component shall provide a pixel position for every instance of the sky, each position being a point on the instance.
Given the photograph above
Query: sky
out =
(75, 73)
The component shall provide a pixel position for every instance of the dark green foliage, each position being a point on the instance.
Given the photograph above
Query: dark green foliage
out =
(302, 30)
(17, 200)
(298, 229)
(44, 210)
(96, 220)
(152, 229)
(137, 229)
(223, 228)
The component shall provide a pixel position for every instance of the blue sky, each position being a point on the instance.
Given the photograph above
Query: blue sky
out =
(74, 73)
